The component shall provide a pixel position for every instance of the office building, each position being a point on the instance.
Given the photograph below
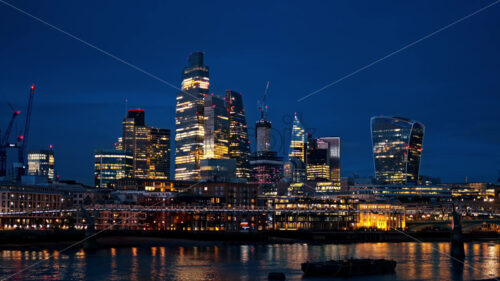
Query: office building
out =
(216, 128)
(298, 140)
(135, 140)
(41, 163)
(397, 148)
(333, 157)
(218, 170)
(239, 143)
(189, 119)
(294, 170)
(111, 165)
(159, 154)
(263, 136)
(318, 160)
(265, 164)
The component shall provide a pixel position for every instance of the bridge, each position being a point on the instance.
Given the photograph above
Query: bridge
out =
(468, 225)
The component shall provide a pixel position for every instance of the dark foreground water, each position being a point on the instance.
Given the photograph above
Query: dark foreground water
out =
(192, 261)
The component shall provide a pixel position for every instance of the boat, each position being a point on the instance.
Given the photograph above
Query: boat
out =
(276, 276)
(349, 267)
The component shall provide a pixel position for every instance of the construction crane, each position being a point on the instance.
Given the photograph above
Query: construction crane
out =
(23, 139)
(262, 107)
(4, 142)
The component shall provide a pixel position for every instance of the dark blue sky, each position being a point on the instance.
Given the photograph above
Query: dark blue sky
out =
(450, 82)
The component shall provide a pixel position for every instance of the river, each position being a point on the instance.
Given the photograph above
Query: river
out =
(219, 261)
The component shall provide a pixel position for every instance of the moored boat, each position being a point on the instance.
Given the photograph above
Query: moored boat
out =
(349, 267)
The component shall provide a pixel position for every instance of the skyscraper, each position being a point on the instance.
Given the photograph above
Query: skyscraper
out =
(397, 147)
(239, 144)
(41, 163)
(333, 157)
(159, 154)
(298, 140)
(189, 119)
(266, 165)
(216, 128)
(318, 162)
(111, 165)
(136, 140)
(263, 136)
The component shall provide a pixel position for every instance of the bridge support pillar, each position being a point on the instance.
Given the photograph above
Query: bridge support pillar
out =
(457, 238)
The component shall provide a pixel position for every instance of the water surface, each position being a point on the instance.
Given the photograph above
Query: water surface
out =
(188, 261)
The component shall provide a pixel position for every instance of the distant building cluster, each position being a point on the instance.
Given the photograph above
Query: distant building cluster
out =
(218, 183)
(142, 152)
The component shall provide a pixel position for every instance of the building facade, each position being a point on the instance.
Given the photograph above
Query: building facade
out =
(397, 148)
(159, 154)
(333, 157)
(135, 140)
(318, 164)
(41, 163)
(239, 143)
(216, 128)
(298, 140)
(111, 165)
(189, 119)
(266, 165)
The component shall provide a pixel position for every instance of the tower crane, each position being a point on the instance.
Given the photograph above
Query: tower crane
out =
(23, 139)
(4, 142)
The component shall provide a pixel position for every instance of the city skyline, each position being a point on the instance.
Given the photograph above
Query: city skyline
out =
(467, 123)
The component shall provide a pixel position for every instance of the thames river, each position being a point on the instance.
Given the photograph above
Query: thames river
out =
(181, 260)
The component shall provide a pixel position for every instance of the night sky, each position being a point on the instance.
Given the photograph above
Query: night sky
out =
(450, 82)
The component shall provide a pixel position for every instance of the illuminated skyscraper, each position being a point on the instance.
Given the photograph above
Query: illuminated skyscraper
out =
(216, 127)
(298, 140)
(333, 157)
(159, 154)
(318, 164)
(189, 119)
(41, 163)
(111, 165)
(397, 147)
(266, 165)
(239, 144)
(136, 140)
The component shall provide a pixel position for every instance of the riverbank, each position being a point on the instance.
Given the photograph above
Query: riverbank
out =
(58, 239)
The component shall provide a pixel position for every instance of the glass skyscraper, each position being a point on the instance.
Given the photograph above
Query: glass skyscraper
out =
(159, 154)
(189, 119)
(216, 127)
(397, 148)
(135, 140)
(266, 165)
(333, 157)
(298, 140)
(318, 164)
(239, 144)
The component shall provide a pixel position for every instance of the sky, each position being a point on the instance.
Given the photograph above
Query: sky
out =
(449, 81)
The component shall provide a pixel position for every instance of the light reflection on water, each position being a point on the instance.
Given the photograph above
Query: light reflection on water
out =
(416, 261)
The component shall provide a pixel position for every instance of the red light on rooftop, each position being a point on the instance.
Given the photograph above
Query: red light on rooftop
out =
(21, 137)
(17, 112)
(137, 109)
(50, 146)
(32, 86)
